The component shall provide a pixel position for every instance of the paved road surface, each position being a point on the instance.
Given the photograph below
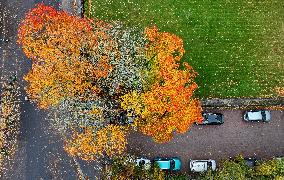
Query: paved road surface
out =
(218, 142)
(40, 154)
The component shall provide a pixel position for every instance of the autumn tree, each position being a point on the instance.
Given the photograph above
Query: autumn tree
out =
(67, 56)
(167, 103)
(90, 74)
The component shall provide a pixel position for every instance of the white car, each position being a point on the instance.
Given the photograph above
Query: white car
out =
(202, 165)
(257, 115)
(143, 162)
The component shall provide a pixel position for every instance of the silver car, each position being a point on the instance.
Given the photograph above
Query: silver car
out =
(202, 165)
(144, 163)
(257, 115)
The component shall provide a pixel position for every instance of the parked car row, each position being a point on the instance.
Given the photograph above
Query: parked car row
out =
(199, 166)
(251, 115)
(174, 164)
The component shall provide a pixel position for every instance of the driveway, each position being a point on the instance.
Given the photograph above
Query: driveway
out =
(235, 136)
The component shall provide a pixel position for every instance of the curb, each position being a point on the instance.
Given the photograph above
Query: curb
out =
(232, 103)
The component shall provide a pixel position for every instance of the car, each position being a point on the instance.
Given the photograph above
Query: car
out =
(251, 162)
(257, 115)
(143, 162)
(212, 119)
(202, 165)
(172, 164)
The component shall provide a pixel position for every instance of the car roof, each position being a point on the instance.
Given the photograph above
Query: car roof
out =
(250, 161)
(254, 115)
(164, 164)
(199, 165)
(212, 117)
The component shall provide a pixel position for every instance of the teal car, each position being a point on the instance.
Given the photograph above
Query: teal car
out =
(172, 164)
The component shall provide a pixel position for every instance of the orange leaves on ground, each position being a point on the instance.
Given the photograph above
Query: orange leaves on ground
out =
(89, 145)
(169, 105)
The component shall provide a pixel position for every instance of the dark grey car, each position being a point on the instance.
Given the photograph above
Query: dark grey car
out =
(212, 119)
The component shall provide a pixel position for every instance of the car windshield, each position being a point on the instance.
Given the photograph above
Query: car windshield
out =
(209, 164)
(212, 118)
(263, 115)
(141, 163)
(172, 164)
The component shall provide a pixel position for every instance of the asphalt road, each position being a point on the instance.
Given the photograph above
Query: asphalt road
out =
(235, 136)
(40, 154)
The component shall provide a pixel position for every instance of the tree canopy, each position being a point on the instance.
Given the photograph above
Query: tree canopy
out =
(93, 76)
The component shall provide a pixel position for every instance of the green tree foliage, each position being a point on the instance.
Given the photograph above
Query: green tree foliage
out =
(271, 169)
(238, 170)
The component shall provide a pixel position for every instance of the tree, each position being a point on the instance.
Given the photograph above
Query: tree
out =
(230, 169)
(90, 73)
(124, 168)
(166, 105)
(270, 169)
(68, 57)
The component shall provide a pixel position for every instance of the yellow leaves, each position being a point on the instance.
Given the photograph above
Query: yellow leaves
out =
(51, 82)
(96, 111)
(60, 46)
(168, 105)
(280, 91)
(132, 102)
(89, 144)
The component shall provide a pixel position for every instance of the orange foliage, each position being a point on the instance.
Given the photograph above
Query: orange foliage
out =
(169, 105)
(109, 141)
(47, 34)
(67, 54)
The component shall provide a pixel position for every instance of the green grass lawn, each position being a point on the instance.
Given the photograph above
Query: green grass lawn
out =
(236, 46)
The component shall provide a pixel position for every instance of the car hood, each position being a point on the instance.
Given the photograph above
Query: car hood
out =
(177, 164)
(268, 115)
